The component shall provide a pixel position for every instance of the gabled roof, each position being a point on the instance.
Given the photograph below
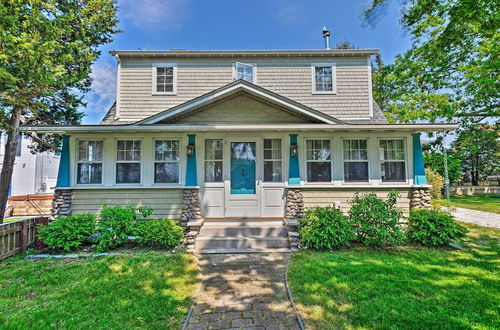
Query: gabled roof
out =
(236, 87)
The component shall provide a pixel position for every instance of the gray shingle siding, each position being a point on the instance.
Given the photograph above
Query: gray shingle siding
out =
(288, 77)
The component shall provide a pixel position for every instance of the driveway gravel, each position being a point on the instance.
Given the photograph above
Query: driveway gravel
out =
(480, 218)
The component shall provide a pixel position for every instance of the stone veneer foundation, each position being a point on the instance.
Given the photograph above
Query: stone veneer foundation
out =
(420, 197)
(61, 204)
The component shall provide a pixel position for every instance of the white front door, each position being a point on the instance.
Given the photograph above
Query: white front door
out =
(242, 178)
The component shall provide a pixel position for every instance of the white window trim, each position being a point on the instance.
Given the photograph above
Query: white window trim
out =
(369, 181)
(205, 160)
(116, 161)
(154, 161)
(254, 71)
(162, 65)
(77, 150)
(333, 65)
(312, 183)
(380, 161)
(273, 159)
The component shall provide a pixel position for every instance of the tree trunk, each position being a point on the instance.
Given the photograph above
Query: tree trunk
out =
(9, 159)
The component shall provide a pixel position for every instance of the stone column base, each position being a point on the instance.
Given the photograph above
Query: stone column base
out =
(61, 204)
(191, 206)
(420, 197)
(294, 204)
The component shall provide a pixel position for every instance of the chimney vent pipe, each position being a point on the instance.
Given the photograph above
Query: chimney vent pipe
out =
(326, 35)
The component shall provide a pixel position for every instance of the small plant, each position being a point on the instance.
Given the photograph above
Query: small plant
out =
(377, 221)
(433, 227)
(115, 224)
(436, 181)
(164, 233)
(68, 233)
(325, 228)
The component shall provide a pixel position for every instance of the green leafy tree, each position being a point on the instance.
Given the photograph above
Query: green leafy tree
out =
(478, 147)
(435, 161)
(451, 70)
(47, 48)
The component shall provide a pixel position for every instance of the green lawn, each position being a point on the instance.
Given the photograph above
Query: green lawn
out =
(151, 290)
(487, 202)
(401, 288)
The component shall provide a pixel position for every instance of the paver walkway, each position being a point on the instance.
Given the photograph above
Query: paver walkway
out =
(243, 291)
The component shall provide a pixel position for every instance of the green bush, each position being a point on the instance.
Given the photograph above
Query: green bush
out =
(164, 233)
(115, 225)
(68, 233)
(436, 181)
(325, 228)
(377, 222)
(433, 227)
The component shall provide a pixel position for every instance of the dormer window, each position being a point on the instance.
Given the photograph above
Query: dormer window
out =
(323, 79)
(244, 71)
(164, 78)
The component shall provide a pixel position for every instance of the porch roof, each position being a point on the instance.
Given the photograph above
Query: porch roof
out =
(413, 128)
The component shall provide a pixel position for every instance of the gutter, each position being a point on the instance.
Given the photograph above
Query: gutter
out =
(248, 128)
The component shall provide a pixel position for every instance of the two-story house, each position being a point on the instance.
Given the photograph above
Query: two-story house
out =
(240, 134)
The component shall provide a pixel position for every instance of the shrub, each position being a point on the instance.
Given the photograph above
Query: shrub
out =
(115, 224)
(433, 227)
(377, 221)
(68, 233)
(325, 228)
(161, 233)
(436, 180)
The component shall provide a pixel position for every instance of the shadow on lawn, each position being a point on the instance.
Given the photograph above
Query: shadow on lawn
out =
(406, 287)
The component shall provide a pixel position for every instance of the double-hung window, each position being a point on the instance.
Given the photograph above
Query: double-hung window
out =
(166, 161)
(272, 160)
(324, 79)
(392, 160)
(244, 72)
(319, 160)
(356, 160)
(128, 161)
(213, 160)
(164, 78)
(89, 165)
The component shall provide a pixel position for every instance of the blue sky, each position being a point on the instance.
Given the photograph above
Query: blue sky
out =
(235, 24)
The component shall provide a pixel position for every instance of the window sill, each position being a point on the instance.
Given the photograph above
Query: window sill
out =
(324, 93)
(164, 93)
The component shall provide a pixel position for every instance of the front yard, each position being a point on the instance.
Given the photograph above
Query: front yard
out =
(402, 287)
(486, 202)
(148, 290)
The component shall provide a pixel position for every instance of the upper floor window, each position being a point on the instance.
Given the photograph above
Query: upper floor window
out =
(324, 79)
(244, 72)
(392, 160)
(89, 166)
(164, 78)
(356, 160)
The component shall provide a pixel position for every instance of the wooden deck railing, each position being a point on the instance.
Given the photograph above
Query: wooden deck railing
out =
(18, 236)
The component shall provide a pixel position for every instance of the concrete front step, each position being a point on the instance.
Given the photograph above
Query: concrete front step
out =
(203, 243)
(243, 231)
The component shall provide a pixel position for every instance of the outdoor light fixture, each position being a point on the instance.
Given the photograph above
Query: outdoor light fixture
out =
(190, 150)
(294, 150)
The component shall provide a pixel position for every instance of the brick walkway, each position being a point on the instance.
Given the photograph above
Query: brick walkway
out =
(243, 291)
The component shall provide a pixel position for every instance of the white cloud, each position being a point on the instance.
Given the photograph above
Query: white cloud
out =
(158, 15)
(102, 93)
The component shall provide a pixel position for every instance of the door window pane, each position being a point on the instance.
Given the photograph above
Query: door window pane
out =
(272, 160)
(213, 160)
(243, 159)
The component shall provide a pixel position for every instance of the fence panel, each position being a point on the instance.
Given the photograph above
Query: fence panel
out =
(18, 236)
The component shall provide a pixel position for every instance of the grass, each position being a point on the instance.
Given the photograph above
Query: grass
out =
(401, 288)
(148, 290)
(486, 202)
